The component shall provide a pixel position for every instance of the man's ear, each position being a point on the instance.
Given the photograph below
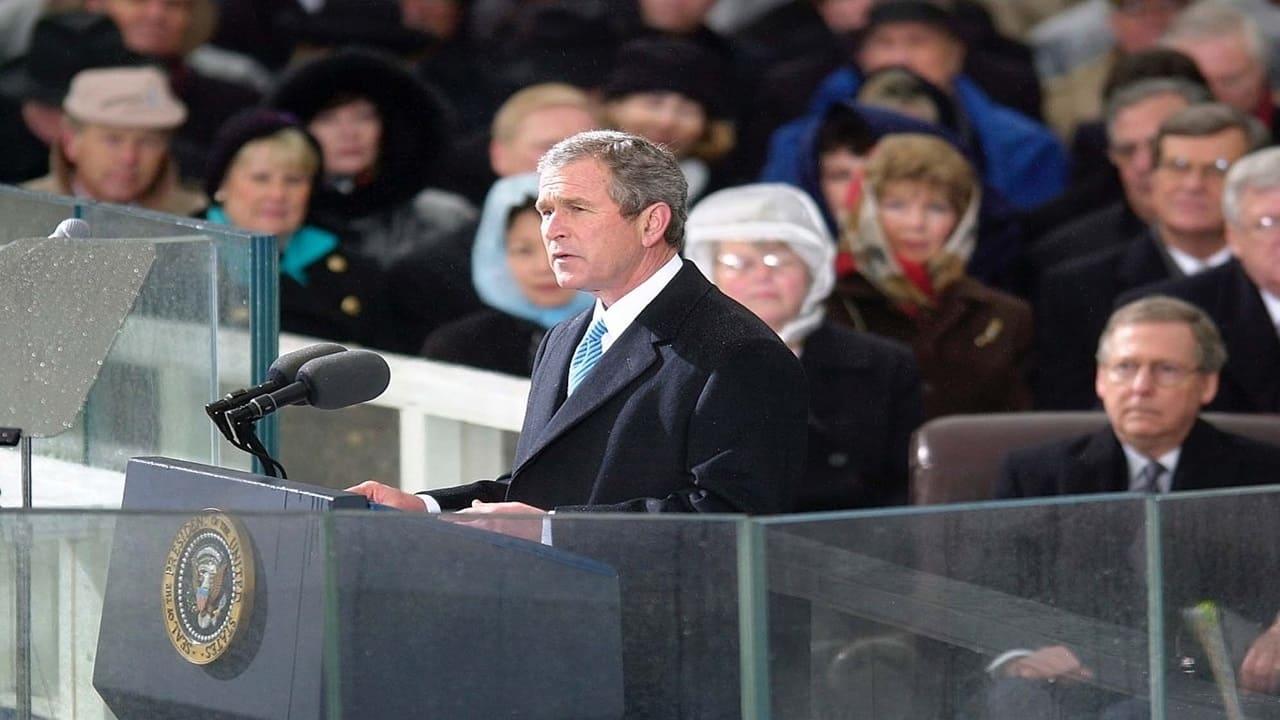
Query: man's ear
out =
(958, 52)
(499, 158)
(1210, 390)
(69, 139)
(656, 218)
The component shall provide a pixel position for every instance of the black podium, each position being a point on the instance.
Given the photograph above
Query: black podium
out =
(213, 609)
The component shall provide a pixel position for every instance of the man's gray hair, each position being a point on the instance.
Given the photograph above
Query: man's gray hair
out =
(1211, 353)
(1210, 119)
(1143, 90)
(1212, 19)
(1254, 172)
(641, 173)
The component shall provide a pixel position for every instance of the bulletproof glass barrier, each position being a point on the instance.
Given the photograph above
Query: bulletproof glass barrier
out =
(216, 613)
(117, 336)
(1220, 602)
(1148, 608)
(1091, 606)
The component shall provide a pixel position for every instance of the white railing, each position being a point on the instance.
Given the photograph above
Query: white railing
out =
(452, 418)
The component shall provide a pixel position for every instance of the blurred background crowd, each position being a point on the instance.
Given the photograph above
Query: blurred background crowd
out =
(936, 204)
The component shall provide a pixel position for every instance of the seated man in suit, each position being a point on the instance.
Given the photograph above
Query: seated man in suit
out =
(1243, 296)
(1134, 114)
(1193, 151)
(695, 406)
(1158, 364)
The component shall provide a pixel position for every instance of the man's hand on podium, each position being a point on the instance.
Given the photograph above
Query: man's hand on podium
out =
(480, 515)
(389, 496)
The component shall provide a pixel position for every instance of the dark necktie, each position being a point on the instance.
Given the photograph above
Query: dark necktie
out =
(1149, 477)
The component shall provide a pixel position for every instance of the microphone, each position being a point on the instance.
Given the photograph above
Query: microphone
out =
(329, 383)
(282, 372)
(71, 228)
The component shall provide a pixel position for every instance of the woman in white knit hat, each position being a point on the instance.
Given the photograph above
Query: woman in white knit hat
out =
(767, 247)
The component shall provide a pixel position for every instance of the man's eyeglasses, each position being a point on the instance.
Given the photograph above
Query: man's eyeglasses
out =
(1183, 167)
(744, 264)
(1162, 373)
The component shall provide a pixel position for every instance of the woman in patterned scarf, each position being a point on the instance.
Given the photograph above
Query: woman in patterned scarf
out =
(910, 225)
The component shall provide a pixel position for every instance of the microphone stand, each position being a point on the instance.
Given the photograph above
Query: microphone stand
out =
(242, 433)
(246, 438)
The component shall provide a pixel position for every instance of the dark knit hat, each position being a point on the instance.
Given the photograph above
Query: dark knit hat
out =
(666, 64)
(62, 45)
(556, 41)
(889, 12)
(243, 128)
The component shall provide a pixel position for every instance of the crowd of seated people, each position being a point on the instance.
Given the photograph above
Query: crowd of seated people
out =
(937, 204)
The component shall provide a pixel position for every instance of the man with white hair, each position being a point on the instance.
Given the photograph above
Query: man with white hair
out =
(1243, 296)
(1232, 53)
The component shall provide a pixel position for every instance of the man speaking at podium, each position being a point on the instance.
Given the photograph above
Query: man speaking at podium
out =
(667, 396)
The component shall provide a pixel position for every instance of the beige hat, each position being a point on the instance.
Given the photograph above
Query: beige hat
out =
(132, 97)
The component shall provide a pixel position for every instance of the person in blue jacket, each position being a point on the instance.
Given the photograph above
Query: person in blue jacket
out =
(1017, 156)
(821, 156)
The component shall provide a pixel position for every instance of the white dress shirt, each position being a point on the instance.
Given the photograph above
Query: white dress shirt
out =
(1272, 303)
(617, 318)
(1190, 264)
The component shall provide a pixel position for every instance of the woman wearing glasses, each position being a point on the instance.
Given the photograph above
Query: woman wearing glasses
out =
(767, 247)
(911, 229)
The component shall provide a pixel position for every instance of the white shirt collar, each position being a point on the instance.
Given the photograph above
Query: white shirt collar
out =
(1272, 304)
(622, 313)
(1190, 264)
(1138, 461)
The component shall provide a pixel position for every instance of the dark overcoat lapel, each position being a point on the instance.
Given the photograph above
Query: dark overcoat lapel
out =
(1142, 262)
(1252, 343)
(627, 359)
(1100, 467)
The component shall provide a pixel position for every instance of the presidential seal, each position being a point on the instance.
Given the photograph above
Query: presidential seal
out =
(208, 587)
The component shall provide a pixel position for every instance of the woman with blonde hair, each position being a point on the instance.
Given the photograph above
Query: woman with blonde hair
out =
(262, 170)
(911, 229)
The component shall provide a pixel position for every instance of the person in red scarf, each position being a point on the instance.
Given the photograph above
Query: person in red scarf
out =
(910, 229)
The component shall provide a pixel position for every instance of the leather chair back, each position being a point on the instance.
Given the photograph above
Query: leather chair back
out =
(957, 458)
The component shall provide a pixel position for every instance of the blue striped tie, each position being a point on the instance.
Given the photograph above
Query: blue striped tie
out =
(587, 354)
